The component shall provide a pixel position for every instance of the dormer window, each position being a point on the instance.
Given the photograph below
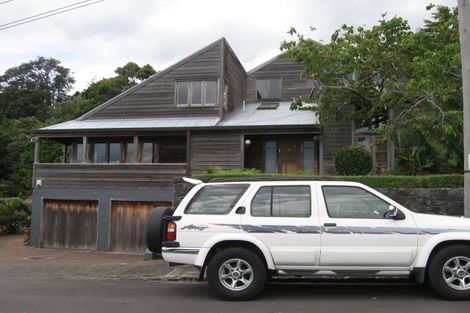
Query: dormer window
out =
(268, 88)
(196, 93)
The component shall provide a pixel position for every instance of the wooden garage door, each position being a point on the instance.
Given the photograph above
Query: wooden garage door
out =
(129, 224)
(69, 224)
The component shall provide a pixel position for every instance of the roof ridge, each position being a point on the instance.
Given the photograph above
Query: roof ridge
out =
(265, 63)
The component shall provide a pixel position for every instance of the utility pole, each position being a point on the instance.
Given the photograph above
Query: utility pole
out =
(464, 25)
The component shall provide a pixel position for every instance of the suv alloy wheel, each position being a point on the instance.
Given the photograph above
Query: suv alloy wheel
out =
(236, 274)
(449, 272)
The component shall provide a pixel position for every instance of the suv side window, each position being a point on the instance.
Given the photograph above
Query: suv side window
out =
(353, 202)
(282, 201)
(216, 199)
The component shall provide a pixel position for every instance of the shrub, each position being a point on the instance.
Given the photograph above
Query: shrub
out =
(424, 181)
(353, 161)
(14, 216)
(383, 181)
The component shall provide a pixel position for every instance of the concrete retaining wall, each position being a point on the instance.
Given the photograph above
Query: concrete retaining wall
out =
(443, 201)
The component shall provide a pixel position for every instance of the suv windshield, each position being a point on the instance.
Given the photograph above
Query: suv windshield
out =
(216, 199)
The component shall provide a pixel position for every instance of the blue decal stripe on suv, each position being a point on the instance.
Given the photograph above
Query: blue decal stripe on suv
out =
(339, 229)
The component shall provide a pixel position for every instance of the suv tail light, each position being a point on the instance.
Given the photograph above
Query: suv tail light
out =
(171, 231)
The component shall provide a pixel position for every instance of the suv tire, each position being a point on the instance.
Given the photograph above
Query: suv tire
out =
(156, 228)
(236, 274)
(449, 272)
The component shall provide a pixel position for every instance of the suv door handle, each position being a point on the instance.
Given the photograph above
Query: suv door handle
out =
(330, 224)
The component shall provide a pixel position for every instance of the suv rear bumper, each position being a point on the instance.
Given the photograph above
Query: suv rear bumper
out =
(180, 255)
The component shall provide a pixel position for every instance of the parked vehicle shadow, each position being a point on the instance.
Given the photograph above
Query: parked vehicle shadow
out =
(328, 297)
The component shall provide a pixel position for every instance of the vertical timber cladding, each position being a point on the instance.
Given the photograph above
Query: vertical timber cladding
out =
(71, 224)
(336, 135)
(129, 224)
(215, 150)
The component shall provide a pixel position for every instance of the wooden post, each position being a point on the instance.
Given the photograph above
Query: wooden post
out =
(136, 149)
(188, 153)
(37, 151)
(242, 151)
(64, 153)
(85, 150)
(464, 25)
(390, 146)
(321, 151)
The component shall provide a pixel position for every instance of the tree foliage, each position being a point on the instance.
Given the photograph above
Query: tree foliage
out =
(33, 88)
(413, 77)
(134, 73)
(16, 156)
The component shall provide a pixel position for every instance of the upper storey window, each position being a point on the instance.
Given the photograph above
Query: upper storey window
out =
(196, 93)
(268, 88)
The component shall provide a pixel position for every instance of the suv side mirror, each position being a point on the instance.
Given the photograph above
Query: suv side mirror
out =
(394, 213)
(240, 210)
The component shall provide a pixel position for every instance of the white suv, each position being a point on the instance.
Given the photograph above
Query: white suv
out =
(246, 232)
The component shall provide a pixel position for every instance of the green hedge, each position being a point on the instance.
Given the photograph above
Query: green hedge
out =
(15, 216)
(385, 181)
(427, 181)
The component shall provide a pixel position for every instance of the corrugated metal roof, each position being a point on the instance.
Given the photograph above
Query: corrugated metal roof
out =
(251, 116)
(167, 122)
(282, 116)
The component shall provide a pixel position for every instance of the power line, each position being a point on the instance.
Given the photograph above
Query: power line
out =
(55, 10)
(6, 1)
(47, 14)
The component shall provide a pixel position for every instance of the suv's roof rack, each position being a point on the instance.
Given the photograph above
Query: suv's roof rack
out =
(272, 178)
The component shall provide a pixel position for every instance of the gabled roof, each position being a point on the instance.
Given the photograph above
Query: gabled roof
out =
(152, 78)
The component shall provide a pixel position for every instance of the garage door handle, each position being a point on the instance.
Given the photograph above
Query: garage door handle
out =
(330, 224)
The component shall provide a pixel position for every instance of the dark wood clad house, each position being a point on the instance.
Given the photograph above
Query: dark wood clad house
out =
(121, 158)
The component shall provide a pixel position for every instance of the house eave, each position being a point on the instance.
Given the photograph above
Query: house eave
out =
(132, 131)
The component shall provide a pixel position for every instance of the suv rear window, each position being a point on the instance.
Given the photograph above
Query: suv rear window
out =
(216, 199)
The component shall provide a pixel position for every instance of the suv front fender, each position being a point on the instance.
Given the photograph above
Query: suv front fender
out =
(235, 237)
(425, 252)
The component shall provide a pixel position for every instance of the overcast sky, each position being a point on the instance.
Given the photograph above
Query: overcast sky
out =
(94, 40)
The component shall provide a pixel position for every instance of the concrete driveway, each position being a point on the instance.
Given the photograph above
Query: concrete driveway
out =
(18, 261)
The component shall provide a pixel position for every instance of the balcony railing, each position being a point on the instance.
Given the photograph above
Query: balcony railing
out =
(119, 175)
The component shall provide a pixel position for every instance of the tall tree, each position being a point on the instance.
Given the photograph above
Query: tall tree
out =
(134, 73)
(413, 77)
(33, 88)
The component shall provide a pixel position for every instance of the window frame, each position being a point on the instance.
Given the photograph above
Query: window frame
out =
(271, 203)
(154, 151)
(314, 152)
(77, 154)
(231, 207)
(204, 83)
(107, 150)
(126, 152)
(281, 84)
(276, 155)
(355, 218)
